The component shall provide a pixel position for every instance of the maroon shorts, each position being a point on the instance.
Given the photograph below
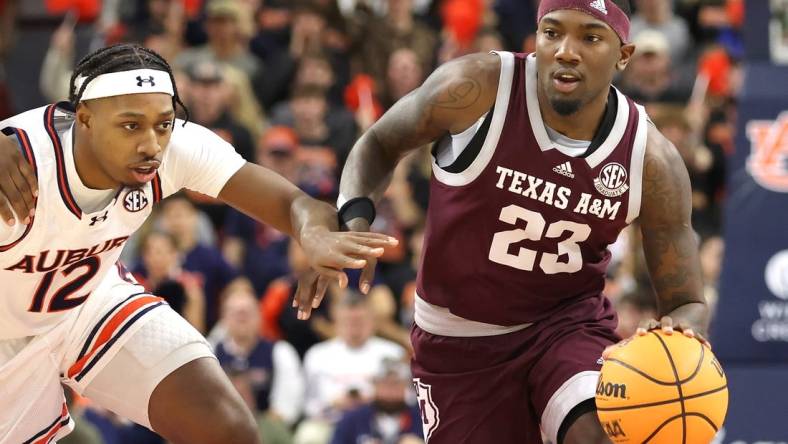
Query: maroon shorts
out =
(506, 388)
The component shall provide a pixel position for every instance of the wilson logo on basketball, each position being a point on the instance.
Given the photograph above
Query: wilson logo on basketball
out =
(768, 160)
(135, 200)
(613, 429)
(612, 180)
(611, 390)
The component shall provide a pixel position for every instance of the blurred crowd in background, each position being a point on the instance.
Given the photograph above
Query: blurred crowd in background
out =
(292, 84)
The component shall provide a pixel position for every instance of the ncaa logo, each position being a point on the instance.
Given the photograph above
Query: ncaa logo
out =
(612, 180)
(776, 274)
(430, 417)
(768, 160)
(135, 200)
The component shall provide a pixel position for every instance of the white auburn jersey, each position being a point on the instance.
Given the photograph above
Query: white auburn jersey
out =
(49, 268)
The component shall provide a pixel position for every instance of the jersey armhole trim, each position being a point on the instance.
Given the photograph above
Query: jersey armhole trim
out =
(470, 151)
(156, 188)
(496, 126)
(62, 180)
(636, 166)
(27, 151)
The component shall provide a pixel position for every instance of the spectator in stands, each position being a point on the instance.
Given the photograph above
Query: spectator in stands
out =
(273, 368)
(164, 276)
(258, 250)
(649, 76)
(403, 74)
(658, 15)
(315, 69)
(179, 218)
(339, 371)
(488, 39)
(279, 321)
(377, 38)
(387, 419)
(58, 63)
(209, 105)
(326, 133)
(705, 164)
(274, 19)
(228, 41)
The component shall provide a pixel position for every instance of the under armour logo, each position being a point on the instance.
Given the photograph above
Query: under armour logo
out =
(599, 5)
(140, 81)
(96, 219)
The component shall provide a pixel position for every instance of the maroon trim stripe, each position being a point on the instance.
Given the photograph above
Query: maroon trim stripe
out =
(156, 185)
(62, 181)
(27, 150)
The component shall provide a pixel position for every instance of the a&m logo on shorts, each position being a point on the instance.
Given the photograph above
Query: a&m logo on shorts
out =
(768, 161)
(612, 180)
(430, 417)
(135, 200)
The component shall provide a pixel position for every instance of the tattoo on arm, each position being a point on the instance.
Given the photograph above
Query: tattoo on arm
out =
(669, 242)
(461, 94)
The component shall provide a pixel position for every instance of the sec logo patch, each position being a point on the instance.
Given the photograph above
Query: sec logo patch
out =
(612, 180)
(135, 200)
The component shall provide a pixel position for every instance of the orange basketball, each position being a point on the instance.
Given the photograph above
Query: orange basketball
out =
(662, 389)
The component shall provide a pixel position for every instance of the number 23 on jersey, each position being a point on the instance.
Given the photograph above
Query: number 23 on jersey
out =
(525, 259)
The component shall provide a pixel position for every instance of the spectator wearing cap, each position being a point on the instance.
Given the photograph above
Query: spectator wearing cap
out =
(228, 29)
(259, 250)
(210, 98)
(649, 77)
(273, 368)
(209, 105)
(658, 16)
(388, 418)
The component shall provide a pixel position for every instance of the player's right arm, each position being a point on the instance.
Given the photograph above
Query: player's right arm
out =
(18, 184)
(452, 98)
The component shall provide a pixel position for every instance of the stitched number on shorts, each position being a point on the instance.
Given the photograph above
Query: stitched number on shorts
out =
(525, 258)
(60, 300)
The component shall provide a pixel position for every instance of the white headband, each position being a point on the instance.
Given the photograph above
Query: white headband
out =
(137, 81)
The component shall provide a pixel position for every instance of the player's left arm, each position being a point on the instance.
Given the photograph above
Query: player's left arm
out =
(270, 198)
(669, 242)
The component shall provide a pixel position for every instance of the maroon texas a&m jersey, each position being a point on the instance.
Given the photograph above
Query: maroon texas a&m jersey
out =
(524, 228)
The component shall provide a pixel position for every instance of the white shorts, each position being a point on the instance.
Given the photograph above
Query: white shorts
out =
(114, 351)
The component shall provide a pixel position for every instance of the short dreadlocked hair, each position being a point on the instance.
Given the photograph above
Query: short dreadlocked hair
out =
(118, 58)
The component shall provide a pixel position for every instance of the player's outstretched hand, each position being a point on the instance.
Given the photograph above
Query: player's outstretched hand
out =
(668, 326)
(329, 253)
(18, 184)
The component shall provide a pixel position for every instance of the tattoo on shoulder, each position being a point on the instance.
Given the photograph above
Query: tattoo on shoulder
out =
(462, 93)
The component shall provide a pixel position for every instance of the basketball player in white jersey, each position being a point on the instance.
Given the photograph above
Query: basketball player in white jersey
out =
(70, 313)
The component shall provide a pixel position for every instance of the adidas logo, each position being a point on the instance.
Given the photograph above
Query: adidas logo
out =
(565, 169)
(599, 5)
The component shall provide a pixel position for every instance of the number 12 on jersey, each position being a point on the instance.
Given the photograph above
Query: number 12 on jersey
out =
(80, 273)
(534, 230)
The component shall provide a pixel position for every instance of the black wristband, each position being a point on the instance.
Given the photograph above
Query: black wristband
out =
(356, 207)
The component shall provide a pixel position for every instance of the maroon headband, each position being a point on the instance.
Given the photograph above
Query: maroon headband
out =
(604, 10)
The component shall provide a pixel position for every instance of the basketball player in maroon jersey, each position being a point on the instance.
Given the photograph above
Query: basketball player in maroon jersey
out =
(540, 164)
